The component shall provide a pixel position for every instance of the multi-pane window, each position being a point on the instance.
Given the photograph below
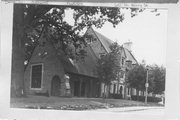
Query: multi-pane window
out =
(36, 76)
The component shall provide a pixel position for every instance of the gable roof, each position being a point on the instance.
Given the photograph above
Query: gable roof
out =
(106, 42)
(84, 67)
(129, 56)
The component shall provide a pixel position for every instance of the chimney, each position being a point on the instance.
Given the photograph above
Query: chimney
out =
(128, 45)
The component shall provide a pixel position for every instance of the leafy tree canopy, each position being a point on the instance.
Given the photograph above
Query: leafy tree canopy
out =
(136, 78)
(158, 74)
(108, 66)
(50, 20)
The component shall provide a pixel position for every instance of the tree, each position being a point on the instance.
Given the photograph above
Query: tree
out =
(136, 78)
(108, 66)
(17, 74)
(158, 74)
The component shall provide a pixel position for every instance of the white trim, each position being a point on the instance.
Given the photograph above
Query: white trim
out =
(41, 76)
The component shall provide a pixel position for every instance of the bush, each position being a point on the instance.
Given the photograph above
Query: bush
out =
(116, 96)
(149, 98)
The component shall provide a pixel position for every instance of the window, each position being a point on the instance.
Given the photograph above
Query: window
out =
(114, 88)
(101, 55)
(36, 76)
(122, 61)
(121, 74)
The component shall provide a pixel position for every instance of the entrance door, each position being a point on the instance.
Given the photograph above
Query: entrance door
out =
(121, 91)
(55, 86)
(79, 88)
(114, 91)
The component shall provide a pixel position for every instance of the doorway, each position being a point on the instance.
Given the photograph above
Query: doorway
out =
(55, 86)
(79, 88)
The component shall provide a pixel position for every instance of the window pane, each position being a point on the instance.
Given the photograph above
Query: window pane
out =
(36, 76)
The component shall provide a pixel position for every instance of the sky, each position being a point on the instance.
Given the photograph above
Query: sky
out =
(146, 31)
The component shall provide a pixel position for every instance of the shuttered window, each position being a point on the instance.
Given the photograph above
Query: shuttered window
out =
(36, 76)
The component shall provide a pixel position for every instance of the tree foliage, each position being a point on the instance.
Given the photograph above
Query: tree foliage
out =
(136, 78)
(50, 21)
(158, 74)
(108, 66)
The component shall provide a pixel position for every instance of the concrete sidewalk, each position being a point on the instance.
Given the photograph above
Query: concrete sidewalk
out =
(130, 109)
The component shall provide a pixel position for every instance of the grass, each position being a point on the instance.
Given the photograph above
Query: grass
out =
(60, 103)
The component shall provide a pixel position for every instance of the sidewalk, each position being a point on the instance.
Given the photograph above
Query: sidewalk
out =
(129, 109)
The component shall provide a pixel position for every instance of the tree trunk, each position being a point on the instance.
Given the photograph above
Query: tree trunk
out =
(108, 90)
(17, 70)
(104, 95)
(137, 93)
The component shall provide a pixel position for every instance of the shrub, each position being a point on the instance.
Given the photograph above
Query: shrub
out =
(116, 96)
(142, 98)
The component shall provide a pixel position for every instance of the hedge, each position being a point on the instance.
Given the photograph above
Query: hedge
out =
(116, 96)
(149, 98)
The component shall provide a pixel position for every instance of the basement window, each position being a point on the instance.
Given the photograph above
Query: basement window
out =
(36, 76)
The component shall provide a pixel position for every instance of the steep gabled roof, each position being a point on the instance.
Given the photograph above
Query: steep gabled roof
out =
(106, 42)
(83, 67)
(129, 56)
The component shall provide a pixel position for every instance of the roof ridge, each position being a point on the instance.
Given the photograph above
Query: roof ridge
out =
(104, 36)
(130, 54)
(99, 39)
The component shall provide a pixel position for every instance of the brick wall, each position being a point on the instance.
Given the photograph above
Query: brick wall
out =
(51, 67)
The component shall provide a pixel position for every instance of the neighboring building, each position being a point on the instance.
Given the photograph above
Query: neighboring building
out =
(49, 71)
(127, 61)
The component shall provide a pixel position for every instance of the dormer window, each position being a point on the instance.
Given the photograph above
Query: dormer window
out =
(129, 63)
(101, 55)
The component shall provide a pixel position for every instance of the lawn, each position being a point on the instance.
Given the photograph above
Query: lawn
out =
(60, 103)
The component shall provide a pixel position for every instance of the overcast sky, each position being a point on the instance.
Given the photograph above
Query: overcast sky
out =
(146, 31)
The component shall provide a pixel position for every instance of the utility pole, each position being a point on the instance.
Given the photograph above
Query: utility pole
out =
(146, 84)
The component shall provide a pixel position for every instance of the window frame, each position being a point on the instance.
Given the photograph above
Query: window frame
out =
(122, 61)
(41, 76)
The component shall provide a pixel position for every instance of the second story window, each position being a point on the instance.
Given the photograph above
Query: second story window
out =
(101, 55)
(121, 74)
(123, 59)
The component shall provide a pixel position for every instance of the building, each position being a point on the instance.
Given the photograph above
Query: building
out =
(50, 72)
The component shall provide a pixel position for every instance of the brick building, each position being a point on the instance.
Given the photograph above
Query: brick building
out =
(50, 71)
